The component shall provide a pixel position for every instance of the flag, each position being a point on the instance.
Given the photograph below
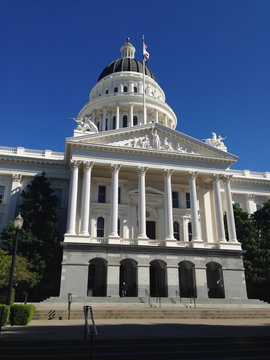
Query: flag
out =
(145, 52)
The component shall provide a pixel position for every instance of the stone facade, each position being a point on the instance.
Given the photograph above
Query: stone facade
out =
(140, 202)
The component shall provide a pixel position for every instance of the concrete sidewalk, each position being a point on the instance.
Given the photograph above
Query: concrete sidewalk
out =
(39, 330)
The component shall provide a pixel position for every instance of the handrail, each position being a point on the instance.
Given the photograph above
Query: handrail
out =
(93, 332)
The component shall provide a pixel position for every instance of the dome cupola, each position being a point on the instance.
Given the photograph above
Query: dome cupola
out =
(117, 99)
(127, 50)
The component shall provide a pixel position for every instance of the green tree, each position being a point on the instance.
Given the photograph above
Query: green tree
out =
(256, 254)
(39, 241)
(22, 271)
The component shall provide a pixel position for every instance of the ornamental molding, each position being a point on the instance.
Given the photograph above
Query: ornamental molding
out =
(17, 178)
(216, 141)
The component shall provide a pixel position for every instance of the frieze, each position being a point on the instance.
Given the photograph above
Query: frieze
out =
(153, 141)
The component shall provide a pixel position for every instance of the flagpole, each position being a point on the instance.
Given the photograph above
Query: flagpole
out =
(144, 104)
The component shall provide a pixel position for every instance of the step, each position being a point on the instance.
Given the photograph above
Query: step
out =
(157, 313)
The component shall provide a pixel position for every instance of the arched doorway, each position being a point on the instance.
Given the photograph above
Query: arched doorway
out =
(215, 282)
(158, 279)
(187, 281)
(128, 274)
(97, 277)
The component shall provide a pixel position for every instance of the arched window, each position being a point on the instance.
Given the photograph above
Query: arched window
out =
(100, 227)
(135, 120)
(115, 90)
(125, 89)
(125, 121)
(176, 230)
(135, 89)
(189, 231)
(107, 91)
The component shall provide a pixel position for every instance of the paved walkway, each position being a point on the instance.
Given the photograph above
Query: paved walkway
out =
(137, 329)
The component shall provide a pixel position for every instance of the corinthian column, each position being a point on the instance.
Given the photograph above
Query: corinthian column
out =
(104, 115)
(141, 203)
(218, 208)
(117, 116)
(168, 204)
(85, 209)
(73, 193)
(194, 207)
(131, 115)
(114, 201)
(230, 214)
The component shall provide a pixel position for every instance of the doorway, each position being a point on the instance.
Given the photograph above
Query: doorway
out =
(158, 279)
(97, 277)
(128, 274)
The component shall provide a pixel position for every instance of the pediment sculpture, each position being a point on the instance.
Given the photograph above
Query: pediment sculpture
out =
(86, 125)
(216, 141)
(153, 142)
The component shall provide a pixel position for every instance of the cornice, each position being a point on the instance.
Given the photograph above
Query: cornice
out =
(19, 159)
(151, 152)
(261, 182)
(150, 250)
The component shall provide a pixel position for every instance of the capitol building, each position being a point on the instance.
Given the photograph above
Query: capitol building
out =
(138, 201)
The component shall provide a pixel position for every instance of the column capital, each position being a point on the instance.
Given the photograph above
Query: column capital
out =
(227, 178)
(167, 172)
(250, 197)
(17, 177)
(141, 170)
(74, 164)
(192, 174)
(87, 165)
(216, 177)
(115, 167)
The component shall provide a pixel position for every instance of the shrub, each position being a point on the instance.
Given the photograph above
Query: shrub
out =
(21, 314)
(4, 314)
(4, 294)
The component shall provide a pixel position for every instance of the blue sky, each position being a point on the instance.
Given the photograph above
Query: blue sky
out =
(211, 57)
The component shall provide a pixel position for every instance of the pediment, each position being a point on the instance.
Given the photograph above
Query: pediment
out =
(153, 138)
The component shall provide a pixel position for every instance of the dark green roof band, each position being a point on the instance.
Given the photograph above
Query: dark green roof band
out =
(126, 64)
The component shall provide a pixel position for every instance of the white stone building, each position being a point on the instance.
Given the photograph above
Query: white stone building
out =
(140, 202)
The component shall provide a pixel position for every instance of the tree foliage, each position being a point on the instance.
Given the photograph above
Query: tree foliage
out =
(253, 232)
(22, 271)
(39, 241)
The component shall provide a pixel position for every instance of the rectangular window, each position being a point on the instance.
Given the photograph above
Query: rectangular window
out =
(175, 199)
(119, 195)
(188, 200)
(2, 193)
(101, 194)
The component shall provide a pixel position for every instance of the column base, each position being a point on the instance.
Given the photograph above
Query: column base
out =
(114, 239)
(142, 240)
(197, 243)
(230, 245)
(171, 242)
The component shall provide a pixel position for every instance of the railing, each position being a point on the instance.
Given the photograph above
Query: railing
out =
(21, 151)
(90, 333)
(251, 174)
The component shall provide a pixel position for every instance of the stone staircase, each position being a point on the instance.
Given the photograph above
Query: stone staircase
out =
(59, 313)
